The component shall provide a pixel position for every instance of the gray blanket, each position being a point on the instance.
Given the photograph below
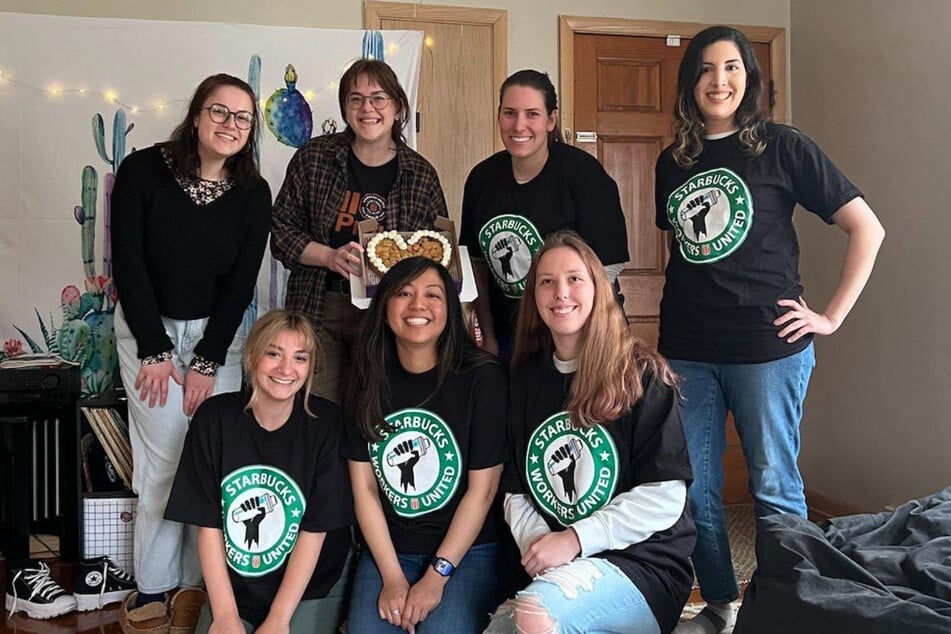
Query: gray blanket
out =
(887, 573)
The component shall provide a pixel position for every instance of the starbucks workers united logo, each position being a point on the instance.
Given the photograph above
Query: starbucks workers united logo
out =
(571, 472)
(418, 465)
(508, 243)
(262, 509)
(711, 214)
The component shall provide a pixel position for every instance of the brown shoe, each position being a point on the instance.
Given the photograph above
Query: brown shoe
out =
(185, 606)
(151, 618)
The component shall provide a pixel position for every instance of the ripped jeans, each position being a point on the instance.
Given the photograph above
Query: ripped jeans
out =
(589, 594)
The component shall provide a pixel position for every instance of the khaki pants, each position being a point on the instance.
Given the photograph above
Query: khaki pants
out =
(339, 330)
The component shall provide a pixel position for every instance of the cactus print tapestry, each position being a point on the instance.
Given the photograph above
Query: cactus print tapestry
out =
(78, 95)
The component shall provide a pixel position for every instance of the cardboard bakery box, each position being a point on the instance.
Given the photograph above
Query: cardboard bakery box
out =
(363, 287)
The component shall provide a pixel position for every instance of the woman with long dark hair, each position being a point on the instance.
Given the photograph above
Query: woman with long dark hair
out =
(597, 494)
(366, 172)
(535, 186)
(189, 226)
(262, 478)
(733, 321)
(426, 444)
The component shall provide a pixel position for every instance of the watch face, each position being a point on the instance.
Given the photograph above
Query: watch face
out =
(443, 567)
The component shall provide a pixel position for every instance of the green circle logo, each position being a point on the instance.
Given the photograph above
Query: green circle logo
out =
(418, 465)
(571, 472)
(711, 214)
(508, 243)
(262, 508)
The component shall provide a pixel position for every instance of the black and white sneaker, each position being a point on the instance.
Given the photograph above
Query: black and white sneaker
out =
(101, 582)
(30, 589)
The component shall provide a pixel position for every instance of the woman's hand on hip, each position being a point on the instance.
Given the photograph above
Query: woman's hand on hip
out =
(801, 320)
(152, 382)
(198, 387)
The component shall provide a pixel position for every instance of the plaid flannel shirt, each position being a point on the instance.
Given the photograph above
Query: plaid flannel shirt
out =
(306, 209)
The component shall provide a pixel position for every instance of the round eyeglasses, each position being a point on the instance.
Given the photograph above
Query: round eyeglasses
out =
(243, 120)
(378, 100)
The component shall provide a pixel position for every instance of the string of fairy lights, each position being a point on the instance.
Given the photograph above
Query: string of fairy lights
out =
(111, 96)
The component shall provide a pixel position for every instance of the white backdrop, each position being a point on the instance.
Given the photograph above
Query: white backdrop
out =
(57, 74)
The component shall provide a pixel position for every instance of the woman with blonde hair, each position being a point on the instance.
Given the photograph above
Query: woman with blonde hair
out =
(262, 478)
(596, 494)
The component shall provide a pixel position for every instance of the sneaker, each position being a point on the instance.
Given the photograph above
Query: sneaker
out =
(100, 583)
(31, 589)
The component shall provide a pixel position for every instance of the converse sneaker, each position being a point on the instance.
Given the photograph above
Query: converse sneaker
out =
(101, 582)
(31, 589)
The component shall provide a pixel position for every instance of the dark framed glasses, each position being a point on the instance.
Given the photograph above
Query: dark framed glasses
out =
(243, 120)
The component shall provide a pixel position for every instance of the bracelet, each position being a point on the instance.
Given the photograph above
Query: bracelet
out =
(155, 359)
(204, 367)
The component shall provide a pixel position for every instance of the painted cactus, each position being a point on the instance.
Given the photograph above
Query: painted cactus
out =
(287, 112)
(119, 133)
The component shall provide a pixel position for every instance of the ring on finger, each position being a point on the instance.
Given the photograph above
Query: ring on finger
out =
(396, 612)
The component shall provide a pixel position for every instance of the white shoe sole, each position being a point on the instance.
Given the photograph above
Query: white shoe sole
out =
(63, 605)
(87, 602)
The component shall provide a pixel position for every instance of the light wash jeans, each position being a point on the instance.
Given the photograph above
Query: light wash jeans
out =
(589, 595)
(165, 553)
(766, 400)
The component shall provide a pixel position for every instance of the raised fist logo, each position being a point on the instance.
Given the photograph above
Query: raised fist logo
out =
(562, 464)
(404, 456)
(251, 513)
(700, 206)
(503, 250)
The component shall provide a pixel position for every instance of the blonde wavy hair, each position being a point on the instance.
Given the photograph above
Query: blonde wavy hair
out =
(265, 332)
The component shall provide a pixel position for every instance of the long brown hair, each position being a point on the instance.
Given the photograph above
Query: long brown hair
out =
(264, 332)
(688, 121)
(183, 144)
(612, 360)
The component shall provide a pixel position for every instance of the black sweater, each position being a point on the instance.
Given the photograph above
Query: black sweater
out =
(176, 259)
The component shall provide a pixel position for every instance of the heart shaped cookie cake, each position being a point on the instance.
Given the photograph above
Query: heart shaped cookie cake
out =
(387, 248)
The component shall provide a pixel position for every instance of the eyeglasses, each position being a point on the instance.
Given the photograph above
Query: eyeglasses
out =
(243, 120)
(378, 100)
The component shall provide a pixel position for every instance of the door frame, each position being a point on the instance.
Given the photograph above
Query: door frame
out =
(497, 19)
(569, 25)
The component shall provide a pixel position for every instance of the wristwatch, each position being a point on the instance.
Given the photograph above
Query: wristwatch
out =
(443, 567)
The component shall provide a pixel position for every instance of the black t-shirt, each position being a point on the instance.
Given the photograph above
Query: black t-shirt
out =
(734, 251)
(422, 468)
(570, 473)
(365, 198)
(261, 489)
(505, 222)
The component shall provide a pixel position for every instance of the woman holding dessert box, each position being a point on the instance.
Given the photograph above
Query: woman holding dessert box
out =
(366, 172)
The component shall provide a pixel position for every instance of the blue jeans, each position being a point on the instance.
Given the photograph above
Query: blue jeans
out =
(587, 595)
(766, 400)
(474, 590)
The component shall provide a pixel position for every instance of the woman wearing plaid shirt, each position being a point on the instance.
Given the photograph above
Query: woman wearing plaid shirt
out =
(332, 183)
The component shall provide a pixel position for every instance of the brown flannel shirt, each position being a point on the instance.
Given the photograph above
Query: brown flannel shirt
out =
(312, 193)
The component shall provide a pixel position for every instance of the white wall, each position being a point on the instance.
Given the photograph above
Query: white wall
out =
(871, 86)
(533, 24)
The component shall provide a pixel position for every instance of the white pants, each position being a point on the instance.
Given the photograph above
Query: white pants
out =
(165, 553)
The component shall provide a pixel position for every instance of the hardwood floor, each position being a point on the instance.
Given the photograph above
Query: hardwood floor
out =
(105, 621)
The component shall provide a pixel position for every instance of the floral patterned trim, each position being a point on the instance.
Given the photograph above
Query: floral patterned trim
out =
(201, 192)
(155, 359)
(203, 366)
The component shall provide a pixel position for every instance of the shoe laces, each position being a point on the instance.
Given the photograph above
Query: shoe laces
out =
(38, 580)
(109, 566)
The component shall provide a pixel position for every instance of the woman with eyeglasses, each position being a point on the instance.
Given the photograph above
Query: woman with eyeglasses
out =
(189, 226)
(334, 182)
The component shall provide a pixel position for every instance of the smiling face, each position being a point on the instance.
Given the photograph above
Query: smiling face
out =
(283, 369)
(219, 141)
(524, 123)
(721, 86)
(371, 125)
(416, 314)
(564, 297)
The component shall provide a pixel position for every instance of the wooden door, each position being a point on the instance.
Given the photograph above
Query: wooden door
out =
(624, 93)
(463, 64)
